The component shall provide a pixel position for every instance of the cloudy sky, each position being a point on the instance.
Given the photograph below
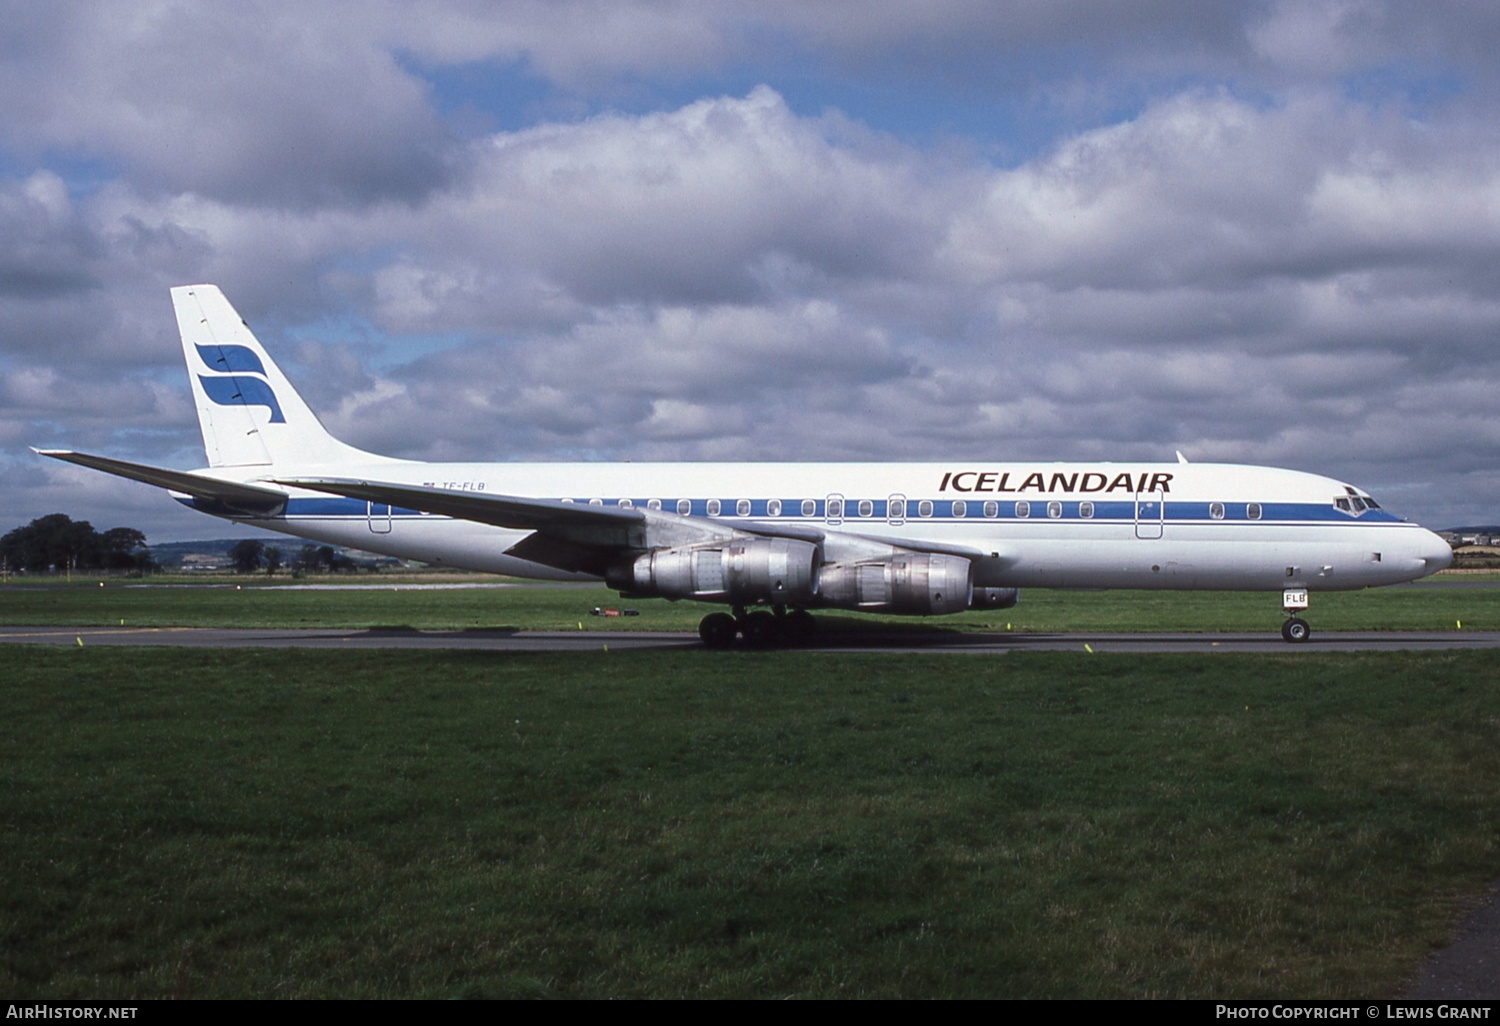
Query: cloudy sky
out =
(1260, 232)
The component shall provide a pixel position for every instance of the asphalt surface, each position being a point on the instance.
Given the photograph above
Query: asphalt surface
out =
(1469, 968)
(934, 642)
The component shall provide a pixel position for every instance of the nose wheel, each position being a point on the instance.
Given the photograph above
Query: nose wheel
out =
(1295, 629)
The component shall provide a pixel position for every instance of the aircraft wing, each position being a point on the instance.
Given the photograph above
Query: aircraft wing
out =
(252, 499)
(589, 539)
(511, 511)
(568, 536)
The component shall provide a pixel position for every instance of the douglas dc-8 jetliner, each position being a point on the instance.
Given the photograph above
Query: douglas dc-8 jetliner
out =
(773, 541)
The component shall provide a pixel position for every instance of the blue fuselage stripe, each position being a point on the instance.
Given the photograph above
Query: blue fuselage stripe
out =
(944, 511)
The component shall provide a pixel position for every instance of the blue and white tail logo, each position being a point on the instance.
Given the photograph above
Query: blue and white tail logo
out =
(238, 388)
(234, 379)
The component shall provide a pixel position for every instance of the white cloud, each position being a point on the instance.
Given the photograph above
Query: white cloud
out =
(258, 101)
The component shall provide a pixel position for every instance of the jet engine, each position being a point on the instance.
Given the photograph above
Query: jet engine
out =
(914, 584)
(779, 571)
(994, 598)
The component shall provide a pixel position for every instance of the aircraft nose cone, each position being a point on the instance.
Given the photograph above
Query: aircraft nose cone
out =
(1436, 553)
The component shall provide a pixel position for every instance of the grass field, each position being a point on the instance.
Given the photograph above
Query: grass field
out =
(207, 824)
(85, 603)
(214, 824)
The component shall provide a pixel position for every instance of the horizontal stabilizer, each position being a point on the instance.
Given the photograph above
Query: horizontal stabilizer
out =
(255, 500)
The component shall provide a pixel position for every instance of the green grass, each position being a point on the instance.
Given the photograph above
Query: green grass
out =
(214, 824)
(87, 604)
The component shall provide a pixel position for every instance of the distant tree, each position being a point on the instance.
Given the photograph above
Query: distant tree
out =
(124, 548)
(306, 559)
(273, 559)
(321, 559)
(248, 555)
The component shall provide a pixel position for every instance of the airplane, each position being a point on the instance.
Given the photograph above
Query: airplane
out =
(774, 541)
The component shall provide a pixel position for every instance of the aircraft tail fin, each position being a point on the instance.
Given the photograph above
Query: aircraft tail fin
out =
(248, 411)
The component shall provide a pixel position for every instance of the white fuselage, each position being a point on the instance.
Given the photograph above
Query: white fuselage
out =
(1050, 525)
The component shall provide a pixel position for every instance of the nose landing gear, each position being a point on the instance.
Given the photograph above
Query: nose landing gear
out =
(1295, 629)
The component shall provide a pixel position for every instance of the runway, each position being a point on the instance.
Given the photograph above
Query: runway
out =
(927, 642)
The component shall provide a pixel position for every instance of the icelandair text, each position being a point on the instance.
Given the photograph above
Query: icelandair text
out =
(1092, 481)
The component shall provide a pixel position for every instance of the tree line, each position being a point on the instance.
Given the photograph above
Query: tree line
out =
(252, 554)
(57, 542)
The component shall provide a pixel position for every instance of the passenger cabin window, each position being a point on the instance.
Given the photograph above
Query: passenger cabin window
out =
(625, 504)
(835, 508)
(653, 504)
(809, 507)
(960, 508)
(596, 502)
(568, 501)
(773, 508)
(1054, 509)
(684, 506)
(924, 508)
(1023, 509)
(1252, 511)
(896, 509)
(713, 507)
(1086, 510)
(866, 508)
(992, 509)
(742, 507)
(1216, 510)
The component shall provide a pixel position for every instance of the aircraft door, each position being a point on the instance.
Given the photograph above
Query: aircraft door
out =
(1150, 513)
(833, 508)
(378, 515)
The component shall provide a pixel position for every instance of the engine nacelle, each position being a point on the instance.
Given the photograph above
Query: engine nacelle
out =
(994, 598)
(918, 584)
(780, 571)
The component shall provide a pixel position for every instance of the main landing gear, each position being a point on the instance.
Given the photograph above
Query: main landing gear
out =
(760, 629)
(1295, 629)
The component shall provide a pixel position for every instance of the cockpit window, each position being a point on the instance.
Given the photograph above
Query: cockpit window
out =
(1342, 503)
